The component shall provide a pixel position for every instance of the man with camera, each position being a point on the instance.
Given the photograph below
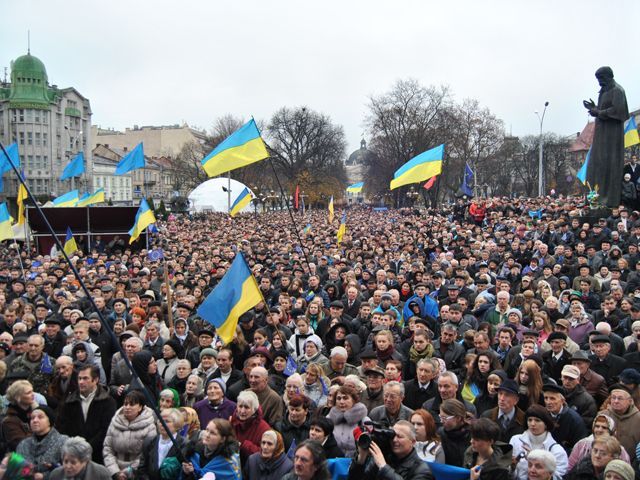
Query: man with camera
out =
(402, 463)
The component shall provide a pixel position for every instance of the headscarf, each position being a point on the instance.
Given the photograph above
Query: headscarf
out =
(279, 442)
(191, 423)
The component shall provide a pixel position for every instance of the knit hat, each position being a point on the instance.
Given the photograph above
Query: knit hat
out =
(315, 340)
(208, 351)
(538, 411)
(621, 468)
(516, 311)
(49, 412)
(219, 381)
(176, 347)
(630, 376)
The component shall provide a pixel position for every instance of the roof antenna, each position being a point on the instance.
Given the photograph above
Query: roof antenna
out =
(28, 42)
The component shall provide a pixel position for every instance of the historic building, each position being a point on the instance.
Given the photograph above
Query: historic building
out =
(51, 125)
(356, 166)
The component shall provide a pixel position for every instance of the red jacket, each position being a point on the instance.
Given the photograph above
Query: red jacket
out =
(478, 212)
(249, 433)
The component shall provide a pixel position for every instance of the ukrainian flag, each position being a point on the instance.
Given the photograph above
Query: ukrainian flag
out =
(331, 210)
(241, 148)
(343, 227)
(6, 232)
(6, 161)
(87, 199)
(236, 293)
(418, 169)
(355, 188)
(70, 246)
(242, 201)
(631, 136)
(307, 229)
(69, 199)
(582, 173)
(144, 218)
(22, 196)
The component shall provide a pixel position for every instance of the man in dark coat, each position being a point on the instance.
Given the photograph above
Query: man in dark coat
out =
(606, 160)
(421, 388)
(577, 397)
(554, 360)
(88, 412)
(507, 415)
(569, 426)
(604, 362)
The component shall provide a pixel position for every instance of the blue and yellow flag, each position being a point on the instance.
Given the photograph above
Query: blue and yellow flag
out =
(144, 218)
(241, 148)
(306, 229)
(131, 161)
(75, 168)
(419, 168)
(236, 293)
(69, 199)
(355, 188)
(331, 210)
(5, 162)
(242, 201)
(70, 246)
(631, 136)
(343, 227)
(21, 197)
(582, 173)
(91, 199)
(6, 231)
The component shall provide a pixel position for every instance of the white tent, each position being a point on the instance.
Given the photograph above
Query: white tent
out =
(211, 197)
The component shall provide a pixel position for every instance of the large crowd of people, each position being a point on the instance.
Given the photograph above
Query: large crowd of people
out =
(498, 335)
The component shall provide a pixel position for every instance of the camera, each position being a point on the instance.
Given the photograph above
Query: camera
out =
(376, 432)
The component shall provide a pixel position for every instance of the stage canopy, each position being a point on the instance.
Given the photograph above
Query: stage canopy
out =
(210, 196)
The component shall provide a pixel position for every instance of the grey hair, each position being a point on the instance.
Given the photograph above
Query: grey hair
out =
(426, 361)
(153, 324)
(78, 448)
(184, 362)
(17, 389)
(450, 375)
(393, 383)
(405, 423)
(547, 459)
(176, 417)
(138, 340)
(250, 398)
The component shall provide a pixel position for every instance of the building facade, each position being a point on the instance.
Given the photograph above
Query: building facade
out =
(50, 126)
(117, 188)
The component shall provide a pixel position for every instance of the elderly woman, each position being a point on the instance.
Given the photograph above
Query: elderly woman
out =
(248, 424)
(193, 391)
(172, 351)
(179, 381)
(271, 462)
(156, 449)
(315, 384)
(169, 398)
(541, 465)
(216, 405)
(44, 447)
(603, 424)
(537, 436)
(293, 386)
(216, 452)
(15, 425)
(191, 423)
(312, 353)
(77, 464)
(604, 449)
(347, 413)
(580, 323)
(132, 424)
(294, 427)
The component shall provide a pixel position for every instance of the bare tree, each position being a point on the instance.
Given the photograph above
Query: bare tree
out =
(186, 166)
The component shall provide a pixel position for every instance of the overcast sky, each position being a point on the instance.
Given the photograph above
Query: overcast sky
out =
(165, 62)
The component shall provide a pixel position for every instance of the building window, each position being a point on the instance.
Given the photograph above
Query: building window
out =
(45, 139)
(29, 138)
(38, 141)
(21, 137)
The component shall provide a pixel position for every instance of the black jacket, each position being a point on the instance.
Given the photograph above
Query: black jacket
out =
(331, 448)
(609, 368)
(148, 467)
(569, 429)
(498, 467)
(410, 467)
(554, 368)
(414, 398)
(583, 403)
(71, 421)
(455, 443)
(291, 432)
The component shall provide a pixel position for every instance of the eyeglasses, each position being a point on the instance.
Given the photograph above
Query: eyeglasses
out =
(446, 418)
(391, 395)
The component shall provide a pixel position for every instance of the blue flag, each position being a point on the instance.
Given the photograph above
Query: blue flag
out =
(131, 161)
(582, 173)
(292, 450)
(155, 255)
(291, 367)
(75, 167)
(5, 163)
(467, 181)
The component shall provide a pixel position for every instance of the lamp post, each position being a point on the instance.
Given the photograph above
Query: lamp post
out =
(541, 146)
(412, 195)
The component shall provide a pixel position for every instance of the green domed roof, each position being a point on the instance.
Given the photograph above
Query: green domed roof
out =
(29, 83)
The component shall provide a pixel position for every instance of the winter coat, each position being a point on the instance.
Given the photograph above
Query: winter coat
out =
(292, 433)
(455, 443)
(583, 471)
(249, 433)
(93, 471)
(45, 452)
(409, 467)
(627, 428)
(583, 403)
(39, 373)
(343, 425)
(258, 468)
(316, 393)
(207, 412)
(498, 467)
(124, 440)
(71, 422)
(148, 468)
(15, 426)
(167, 369)
(522, 444)
(331, 448)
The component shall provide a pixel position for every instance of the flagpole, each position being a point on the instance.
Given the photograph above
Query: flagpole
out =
(19, 256)
(229, 191)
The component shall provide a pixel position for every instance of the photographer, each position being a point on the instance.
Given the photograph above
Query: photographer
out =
(403, 463)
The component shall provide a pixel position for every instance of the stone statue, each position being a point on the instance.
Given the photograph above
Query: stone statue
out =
(606, 160)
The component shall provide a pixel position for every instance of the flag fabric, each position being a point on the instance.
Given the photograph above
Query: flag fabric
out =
(430, 183)
(91, 199)
(631, 136)
(236, 293)
(582, 173)
(296, 198)
(355, 188)
(131, 161)
(5, 162)
(75, 168)
(339, 467)
(331, 210)
(69, 199)
(70, 246)
(152, 228)
(419, 168)
(307, 229)
(144, 218)
(467, 181)
(241, 148)
(6, 231)
(21, 197)
(242, 201)
(155, 255)
(292, 450)
(343, 227)
(291, 367)
(442, 471)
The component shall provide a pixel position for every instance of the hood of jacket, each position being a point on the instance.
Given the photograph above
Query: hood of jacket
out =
(354, 341)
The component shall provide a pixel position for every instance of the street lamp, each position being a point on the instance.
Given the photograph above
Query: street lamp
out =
(541, 146)
(412, 195)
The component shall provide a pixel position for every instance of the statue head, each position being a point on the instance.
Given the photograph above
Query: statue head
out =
(604, 76)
